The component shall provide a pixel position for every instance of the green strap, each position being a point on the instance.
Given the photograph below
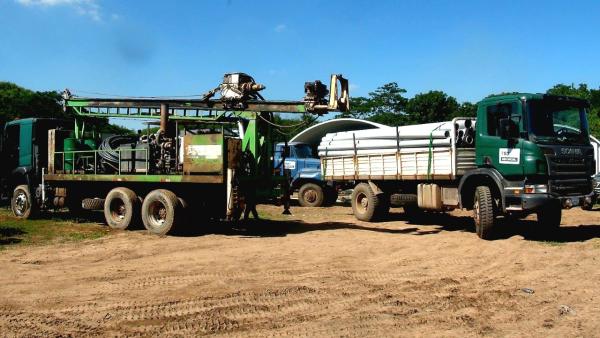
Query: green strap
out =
(430, 158)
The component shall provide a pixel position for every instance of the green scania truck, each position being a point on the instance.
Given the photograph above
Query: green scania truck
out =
(522, 154)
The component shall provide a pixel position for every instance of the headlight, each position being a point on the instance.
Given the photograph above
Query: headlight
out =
(536, 189)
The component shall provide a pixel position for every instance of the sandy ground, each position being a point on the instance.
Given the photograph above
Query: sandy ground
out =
(321, 273)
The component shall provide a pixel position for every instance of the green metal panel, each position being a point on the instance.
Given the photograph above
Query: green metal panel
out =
(209, 179)
(25, 143)
(491, 150)
(70, 144)
(203, 154)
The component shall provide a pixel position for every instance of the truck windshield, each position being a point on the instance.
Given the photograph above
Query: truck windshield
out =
(303, 151)
(558, 122)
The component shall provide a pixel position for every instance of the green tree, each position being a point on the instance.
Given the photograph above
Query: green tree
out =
(466, 109)
(384, 105)
(17, 102)
(433, 106)
(291, 126)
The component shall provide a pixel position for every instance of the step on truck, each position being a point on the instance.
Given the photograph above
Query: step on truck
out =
(522, 154)
(206, 157)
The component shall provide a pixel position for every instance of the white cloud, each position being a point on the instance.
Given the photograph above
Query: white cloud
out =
(280, 28)
(87, 8)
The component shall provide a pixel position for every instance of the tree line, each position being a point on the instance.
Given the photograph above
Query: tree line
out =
(388, 105)
(18, 103)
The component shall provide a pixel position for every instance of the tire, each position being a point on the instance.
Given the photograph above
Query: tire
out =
(121, 208)
(549, 216)
(21, 202)
(93, 203)
(311, 195)
(160, 211)
(483, 212)
(365, 204)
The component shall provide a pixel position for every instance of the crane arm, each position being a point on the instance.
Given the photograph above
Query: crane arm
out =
(236, 95)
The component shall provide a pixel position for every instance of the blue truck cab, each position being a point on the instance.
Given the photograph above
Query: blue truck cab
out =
(304, 169)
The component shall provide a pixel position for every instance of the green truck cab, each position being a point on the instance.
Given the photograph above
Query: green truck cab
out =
(533, 155)
(24, 152)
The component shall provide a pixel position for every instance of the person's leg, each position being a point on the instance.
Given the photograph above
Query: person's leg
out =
(254, 212)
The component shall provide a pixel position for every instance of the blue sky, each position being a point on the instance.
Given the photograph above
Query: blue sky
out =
(468, 49)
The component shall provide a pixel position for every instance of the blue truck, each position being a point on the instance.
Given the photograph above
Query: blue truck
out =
(304, 170)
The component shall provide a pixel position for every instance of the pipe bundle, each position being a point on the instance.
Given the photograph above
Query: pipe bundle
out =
(392, 139)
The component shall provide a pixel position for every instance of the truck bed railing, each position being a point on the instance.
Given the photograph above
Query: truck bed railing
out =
(90, 158)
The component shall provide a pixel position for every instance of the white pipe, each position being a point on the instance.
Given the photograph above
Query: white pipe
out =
(350, 153)
(43, 186)
(241, 131)
(229, 202)
(374, 144)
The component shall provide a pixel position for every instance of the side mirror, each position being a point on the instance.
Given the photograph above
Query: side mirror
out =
(508, 129)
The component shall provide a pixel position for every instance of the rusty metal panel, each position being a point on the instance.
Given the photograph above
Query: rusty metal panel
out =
(51, 150)
(234, 152)
(60, 192)
(55, 143)
(203, 154)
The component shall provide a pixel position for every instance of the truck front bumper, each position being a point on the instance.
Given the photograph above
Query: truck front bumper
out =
(535, 201)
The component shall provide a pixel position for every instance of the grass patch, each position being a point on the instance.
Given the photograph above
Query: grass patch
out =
(50, 228)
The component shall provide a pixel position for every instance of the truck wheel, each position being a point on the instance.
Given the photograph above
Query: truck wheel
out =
(365, 204)
(21, 203)
(483, 212)
(93, 203)
(159, 211)
(549, 216)
(121, 208)
(311, 195)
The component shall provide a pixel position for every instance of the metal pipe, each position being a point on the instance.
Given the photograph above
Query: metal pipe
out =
(43, 186)
(164, 117)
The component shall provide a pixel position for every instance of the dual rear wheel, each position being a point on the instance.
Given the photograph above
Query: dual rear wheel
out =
(159, 210)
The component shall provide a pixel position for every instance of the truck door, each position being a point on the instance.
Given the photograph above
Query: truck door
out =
(11, 147)
(491, 149)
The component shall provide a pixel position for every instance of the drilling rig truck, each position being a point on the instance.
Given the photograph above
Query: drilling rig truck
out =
(210, 155)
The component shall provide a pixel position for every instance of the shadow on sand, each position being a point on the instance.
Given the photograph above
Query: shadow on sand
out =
(529, 229)
(429, 224)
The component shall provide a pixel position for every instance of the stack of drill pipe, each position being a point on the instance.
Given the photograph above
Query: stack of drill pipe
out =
(389, 140)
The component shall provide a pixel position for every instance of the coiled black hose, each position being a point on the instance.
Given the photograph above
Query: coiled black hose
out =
(108, 147)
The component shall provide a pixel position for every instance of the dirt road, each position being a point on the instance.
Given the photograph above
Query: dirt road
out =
(311, 278)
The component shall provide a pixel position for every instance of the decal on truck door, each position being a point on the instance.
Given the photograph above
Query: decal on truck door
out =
(509, 156)
(290, 164)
